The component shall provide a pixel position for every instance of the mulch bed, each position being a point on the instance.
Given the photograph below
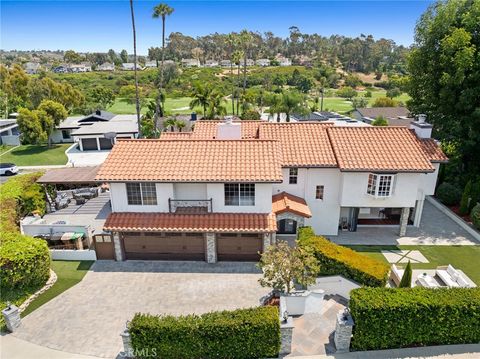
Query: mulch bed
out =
(456, 210)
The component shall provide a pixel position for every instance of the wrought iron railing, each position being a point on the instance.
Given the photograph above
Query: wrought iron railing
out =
(189, 205)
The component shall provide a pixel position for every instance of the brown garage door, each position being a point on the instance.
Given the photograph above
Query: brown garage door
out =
(105, 144)
(239, 247)
(164, 246)
(104, 246)
(89, 144)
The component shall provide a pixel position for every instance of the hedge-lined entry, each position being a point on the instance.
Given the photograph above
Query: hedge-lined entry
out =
(395, 318)
(338, 260)
(242, 333)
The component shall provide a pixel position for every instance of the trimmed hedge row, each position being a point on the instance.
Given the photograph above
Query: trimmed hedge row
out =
(242, 333)
(392, 318)
(24, 262)
(338, 260)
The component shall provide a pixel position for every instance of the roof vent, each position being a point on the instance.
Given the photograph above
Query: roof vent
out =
(422, 118)
(98, 113)
(228, 120)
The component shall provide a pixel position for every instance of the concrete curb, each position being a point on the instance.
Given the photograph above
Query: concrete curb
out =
(458, 220)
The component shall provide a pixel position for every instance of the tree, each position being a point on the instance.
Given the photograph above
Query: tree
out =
(201, 97)
(112, 55)
(406, 281)
(393, 92)
(466, 197)
(353, 81)
(444, 79)
(137, 98)
(161, 11)
(71, 57)
(170, 123)
(30, 126)
(380, 121)
(384, 102)
(359, 102)
(215, 106)
(52, 114)
(283, 265)
(181, 125)
(347, 92)
(124, 55)
(292, 102)
(101, 97)
(245, 40)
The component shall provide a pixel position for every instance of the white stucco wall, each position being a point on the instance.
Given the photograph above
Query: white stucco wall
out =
(354, 191)
(190, 190)
(118, 197)
(428, 182)
(58, 138)
(263, 199)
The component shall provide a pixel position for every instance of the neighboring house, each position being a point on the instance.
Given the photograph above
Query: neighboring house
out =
(76, 68)
(227, 190)
(320, 116)
(396, 116)
(97, 131)
(190, 63)
(283, 61)
(61, 69)
(262, 62)
(211, 63)
(9, 133)
(106, 66)
(32, 68)
(150, 64)
(130, 66)
(250, 62)
(225, 63)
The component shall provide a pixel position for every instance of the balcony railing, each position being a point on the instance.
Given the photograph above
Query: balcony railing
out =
(190, 206)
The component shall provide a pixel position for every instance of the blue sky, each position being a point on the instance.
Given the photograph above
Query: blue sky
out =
(101, 25)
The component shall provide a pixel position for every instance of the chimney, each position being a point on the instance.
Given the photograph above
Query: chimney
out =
(193, 116)
(422, 128)
(228, 130)
(98, 112)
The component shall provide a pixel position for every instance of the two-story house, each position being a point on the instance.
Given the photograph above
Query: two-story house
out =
(228, 189)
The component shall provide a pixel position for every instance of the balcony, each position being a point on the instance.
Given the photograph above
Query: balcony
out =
(189, 206)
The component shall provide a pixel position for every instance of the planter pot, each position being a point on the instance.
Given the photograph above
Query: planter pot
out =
(295, 302)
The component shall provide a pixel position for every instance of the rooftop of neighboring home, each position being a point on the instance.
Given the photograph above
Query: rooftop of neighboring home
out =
(396, 116)
(100, 122)
(255, 151)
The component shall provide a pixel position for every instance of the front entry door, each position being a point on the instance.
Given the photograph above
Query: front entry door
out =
(104, 246)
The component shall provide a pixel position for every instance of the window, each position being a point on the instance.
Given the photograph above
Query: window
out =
(141, 194)
(66, 134)
(380, 185)
(287, 226)
(293, 176)
(239, 194)
(319, 192)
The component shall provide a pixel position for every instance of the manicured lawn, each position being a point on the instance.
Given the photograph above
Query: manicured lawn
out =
(69, 273)
(37, 155)
(466, 258)
(4, 148)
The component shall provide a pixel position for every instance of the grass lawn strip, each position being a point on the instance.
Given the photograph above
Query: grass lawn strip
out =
(465, 258)
(69, 273)
(37, 155)
(5, 149)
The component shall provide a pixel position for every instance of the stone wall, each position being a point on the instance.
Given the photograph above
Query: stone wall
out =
(211, 248)
(343, 332)
(117, 246)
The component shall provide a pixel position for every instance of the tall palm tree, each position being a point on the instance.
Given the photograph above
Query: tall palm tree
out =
(216, 107)
(201, 97)
(237, 57)
(137, 99)
(232, 41)
(162, 11)
(245, 39)
(292, 102)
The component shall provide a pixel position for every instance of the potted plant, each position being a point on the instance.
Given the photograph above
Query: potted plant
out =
(283, 266)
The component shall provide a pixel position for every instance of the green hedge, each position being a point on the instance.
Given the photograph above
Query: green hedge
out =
(392, 318)
(242, 333)
(338, 260)
(24, 262)
(448, 194)
(475, 216)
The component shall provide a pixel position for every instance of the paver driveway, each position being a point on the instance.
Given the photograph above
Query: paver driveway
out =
(89, 317)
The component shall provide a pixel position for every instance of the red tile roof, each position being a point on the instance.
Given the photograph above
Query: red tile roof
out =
(175, 135)
(211, 222)
(378, 149)
(208, 129)
(286, 202)
(193, 161)
(432, 150)
(303, 144)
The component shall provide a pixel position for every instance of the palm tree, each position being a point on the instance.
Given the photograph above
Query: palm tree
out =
(170, 123)
(292, 102)
(245, 39)
(181, 125)
(237, 56)
(201, 97)
(232, 41)
(274, 105)
(137, 99)
(216, 107)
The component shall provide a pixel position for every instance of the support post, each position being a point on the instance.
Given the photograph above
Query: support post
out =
(117, 246)
(418, 213)
(267, 241)
(211, 248)
(11, 314)
(343, 332)
(127, 344)
(404, 221)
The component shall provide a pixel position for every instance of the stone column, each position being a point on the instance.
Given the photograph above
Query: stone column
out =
(418, 213)
(404, 221)
(286, 334)
(127, 344)
(343, 332)
(211, 248)
(11, 314)
(267, 241)
(117, 245)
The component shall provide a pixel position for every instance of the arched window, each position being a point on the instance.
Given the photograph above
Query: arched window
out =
(287, 226)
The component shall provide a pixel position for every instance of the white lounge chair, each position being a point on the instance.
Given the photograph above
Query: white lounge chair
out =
(452, 277)
(427, 281)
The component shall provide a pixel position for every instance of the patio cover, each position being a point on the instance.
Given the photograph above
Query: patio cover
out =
(70, 175)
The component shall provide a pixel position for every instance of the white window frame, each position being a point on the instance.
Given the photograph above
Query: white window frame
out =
(317, 188)
(141, 192)
(293, 174)
(242, 189)
(376, 185)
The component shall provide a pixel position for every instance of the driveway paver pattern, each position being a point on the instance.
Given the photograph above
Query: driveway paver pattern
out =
(89, 317)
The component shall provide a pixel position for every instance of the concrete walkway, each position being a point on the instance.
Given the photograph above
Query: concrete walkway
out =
(88, 318)
(436, 228)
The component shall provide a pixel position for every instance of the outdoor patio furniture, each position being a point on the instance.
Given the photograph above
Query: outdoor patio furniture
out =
(80, 200)
(85, 192)
(427, 281)
(396, 274)
(452, 277)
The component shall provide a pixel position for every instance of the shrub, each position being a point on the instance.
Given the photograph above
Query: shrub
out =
(24, 262)
(250, 115)
(475, 216)
(380, 121)
(448, 194)
(384, 102)
(466, 196)
(347, 92)
(406, 281)
(338, 260)
(242, 333)
(392, 318)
